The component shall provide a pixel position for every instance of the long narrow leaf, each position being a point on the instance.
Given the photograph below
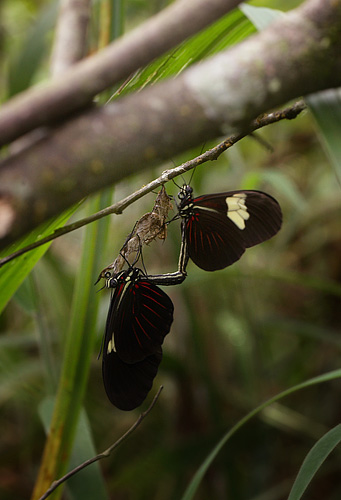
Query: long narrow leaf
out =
(260, 17)
(25, 64)
(76, 360)
(314, 460)
(194, 484)
(226, 31)
(89, 482)
(14, 272)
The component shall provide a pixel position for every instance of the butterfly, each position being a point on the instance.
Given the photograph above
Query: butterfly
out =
(140, 316)
(217, 228)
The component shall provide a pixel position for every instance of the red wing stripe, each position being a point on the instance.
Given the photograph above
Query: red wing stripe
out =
(146, 319)
(215, 240)
(144, 331)
(202, 240)
(150, 289)
(152, 310)
(209, 241)
(195, 241)
(189, 231)
(137, 337)
(154, 300)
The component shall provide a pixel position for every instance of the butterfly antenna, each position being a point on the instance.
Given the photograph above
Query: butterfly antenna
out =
(203, 147)
(193, 171)
(177, 185)
(138, 253)
(126, 260)
(183, 180)
(141, 255)
(262, 142)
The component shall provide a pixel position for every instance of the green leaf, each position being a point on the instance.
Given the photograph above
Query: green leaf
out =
(24, 66)
(314, 460)
(194, 484)
(15, 271)
(79, 346)
(87, 483)
(227, 31)
(260, 17)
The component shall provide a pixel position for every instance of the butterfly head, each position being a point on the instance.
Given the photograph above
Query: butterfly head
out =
(185, 193)
(113, 280)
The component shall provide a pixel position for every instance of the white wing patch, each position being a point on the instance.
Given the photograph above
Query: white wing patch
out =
(237, 210)
(111, 346)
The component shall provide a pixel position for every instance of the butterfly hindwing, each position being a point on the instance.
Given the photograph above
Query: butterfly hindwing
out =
(126, 384)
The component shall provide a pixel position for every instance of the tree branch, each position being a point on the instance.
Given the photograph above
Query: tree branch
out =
(209, 155)
(70, 37)
(59, 97)
(224, 93)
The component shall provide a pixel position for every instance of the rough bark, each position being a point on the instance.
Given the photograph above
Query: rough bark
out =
(76, 89)
(299, 54)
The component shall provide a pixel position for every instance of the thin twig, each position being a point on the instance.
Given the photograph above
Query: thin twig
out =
(209, 155)
(105, 453)
(150, 226)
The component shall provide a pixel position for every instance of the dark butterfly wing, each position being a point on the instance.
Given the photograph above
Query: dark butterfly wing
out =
(127, 385)
(221, 226)
(139, 318)
(207, 244)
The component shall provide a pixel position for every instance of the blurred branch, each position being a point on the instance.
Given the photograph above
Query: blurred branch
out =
(210, 155)
(105, 453)
(70, 37)
(76, 89)
(220, 95)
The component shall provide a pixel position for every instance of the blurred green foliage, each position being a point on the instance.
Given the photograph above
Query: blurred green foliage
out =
(239, 336)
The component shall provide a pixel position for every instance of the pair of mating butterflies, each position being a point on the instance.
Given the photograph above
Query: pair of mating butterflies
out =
(216, 230)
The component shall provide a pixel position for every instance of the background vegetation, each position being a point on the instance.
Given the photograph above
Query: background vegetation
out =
(239, 336)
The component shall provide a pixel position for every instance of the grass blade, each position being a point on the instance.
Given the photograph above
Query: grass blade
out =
(14, 272)
(24, 66)
(77, 355)
(194, 484)
(314, 460)
(89, 482)
(227, 31)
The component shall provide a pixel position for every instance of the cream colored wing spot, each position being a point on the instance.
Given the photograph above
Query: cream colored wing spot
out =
(111, 346)
(207, 209)
(237, 210)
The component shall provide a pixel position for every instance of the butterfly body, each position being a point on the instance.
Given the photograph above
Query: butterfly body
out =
(217, 228)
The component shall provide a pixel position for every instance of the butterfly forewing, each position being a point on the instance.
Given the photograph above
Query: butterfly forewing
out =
(126, 384)
(206, 239)
(219, 227)
(143, 319)
(139, 317)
